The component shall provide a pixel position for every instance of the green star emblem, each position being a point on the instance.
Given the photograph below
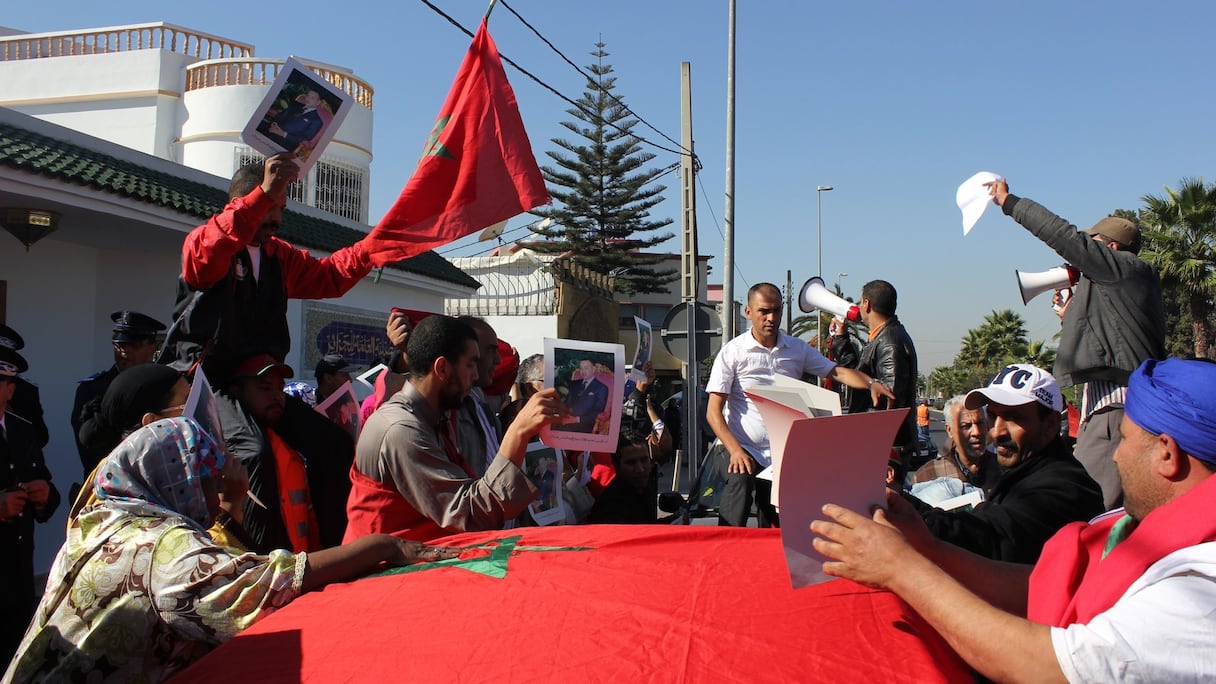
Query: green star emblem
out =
(433, 147)
(493, 565)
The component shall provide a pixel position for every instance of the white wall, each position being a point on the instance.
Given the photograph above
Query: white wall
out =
(525, 333)
(129, 98)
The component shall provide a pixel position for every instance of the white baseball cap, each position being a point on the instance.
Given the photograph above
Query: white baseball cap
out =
(1018, 384)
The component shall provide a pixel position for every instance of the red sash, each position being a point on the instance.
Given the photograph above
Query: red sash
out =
(376, 508)
(1072, 583)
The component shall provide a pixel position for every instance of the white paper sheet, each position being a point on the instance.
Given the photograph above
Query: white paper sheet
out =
(840, 460)
(781, 403)
(973, 199)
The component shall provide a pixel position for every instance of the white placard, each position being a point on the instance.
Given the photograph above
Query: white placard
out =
(590, 376)
(300, 114)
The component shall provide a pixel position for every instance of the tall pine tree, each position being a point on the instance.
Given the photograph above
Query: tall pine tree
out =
(602, 195)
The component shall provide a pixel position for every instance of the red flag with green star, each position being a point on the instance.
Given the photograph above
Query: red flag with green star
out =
(477, 168)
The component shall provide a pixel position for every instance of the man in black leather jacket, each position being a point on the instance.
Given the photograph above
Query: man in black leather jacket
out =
(889, 357)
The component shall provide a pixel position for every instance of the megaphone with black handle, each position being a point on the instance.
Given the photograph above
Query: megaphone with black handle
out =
(816, 296)
(1032, 285)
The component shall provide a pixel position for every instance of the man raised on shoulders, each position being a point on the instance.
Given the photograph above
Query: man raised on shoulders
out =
(749, 360)
(1127, 597)
(409, 478)
(237, 276)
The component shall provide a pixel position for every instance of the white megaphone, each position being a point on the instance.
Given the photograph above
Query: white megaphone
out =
(815, 295)
(1032, 285)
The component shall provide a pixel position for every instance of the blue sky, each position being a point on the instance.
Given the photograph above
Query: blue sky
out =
(1085, 106)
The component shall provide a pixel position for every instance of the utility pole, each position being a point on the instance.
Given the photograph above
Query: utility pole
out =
(728, 248)
(689, 275)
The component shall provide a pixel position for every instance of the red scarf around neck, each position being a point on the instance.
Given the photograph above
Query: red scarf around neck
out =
(1072, 583)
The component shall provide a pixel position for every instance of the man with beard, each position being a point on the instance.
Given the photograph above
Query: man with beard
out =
(1041, 488)
(409, 478)
(281, 513)
(1127, 597)
(890, 357)
(967, 456)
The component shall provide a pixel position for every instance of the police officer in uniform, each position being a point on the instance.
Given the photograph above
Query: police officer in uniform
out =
(26, 495)
(25, 403)
(135, 342)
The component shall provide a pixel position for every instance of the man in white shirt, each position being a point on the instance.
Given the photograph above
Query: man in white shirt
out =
(749, 360)
(1128, 597)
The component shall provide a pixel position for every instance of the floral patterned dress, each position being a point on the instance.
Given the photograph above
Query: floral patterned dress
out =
(138, 593)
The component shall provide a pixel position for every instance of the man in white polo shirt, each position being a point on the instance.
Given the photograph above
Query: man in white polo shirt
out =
(752, 359)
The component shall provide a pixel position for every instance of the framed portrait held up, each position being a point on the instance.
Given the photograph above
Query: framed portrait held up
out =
(300, 114)
(590, 377)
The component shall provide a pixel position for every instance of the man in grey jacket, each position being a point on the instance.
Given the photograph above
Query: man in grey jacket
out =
(1113, 322)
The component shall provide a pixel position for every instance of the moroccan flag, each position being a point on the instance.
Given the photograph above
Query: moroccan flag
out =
(477, 168)
(591, 603)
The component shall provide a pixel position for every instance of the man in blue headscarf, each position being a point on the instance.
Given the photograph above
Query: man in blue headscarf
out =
(1129, 596)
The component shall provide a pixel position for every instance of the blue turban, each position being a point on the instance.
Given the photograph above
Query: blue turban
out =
(1176, 397)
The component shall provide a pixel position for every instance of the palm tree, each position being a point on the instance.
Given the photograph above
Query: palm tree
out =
(1180, 241)
(999, 340)
(1039, 354)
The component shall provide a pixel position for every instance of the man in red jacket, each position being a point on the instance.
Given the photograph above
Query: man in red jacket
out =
(1126, 597)
(232, 306)
(237, 276)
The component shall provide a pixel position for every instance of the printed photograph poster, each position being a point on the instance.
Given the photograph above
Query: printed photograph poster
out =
(590, 377)
(543, 466)
(342, 407)
(300, 114)
(643, 349)
(201, 406)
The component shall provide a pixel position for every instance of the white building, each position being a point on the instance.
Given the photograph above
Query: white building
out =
(182, 95)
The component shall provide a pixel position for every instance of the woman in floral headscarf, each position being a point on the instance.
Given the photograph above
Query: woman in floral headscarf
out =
(139, 591)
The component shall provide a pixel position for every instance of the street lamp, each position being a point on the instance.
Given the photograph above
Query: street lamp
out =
(840, 279)
(819, 270)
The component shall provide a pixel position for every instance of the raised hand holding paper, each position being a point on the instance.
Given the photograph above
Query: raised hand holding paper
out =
(972, 198)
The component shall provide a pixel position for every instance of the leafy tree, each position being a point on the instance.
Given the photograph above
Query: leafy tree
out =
(998, 342)
(1180, 241)
(602, 195)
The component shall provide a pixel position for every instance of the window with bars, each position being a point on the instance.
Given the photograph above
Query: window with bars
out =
(330, 186)
(339, 189)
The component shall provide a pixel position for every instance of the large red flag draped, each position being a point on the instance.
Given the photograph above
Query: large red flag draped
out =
(477, 168)
(592, 603)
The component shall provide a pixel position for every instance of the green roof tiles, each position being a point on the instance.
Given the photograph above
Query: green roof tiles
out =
(71, 163)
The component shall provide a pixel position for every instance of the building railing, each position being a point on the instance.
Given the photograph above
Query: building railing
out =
(523, 286)
(151, 36)
(254, 71)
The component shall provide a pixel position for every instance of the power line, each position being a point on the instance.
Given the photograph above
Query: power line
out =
(555, 91)
(663, 172)
(719, 227)
(588, 77)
